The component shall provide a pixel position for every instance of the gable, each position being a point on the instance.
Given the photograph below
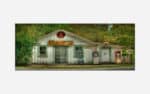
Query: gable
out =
(67, 37)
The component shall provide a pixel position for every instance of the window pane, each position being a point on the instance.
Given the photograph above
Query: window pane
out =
(42, 51)
(78, 52)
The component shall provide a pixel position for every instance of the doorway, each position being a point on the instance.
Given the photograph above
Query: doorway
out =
(61, 55)
(105, 55)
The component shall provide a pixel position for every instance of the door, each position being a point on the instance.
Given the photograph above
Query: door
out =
(105, 55)
(60, 55)
(79, 54)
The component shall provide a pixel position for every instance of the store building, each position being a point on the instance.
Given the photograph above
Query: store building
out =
(63, 47)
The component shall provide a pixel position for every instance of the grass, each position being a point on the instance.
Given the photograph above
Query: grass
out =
(77, 67)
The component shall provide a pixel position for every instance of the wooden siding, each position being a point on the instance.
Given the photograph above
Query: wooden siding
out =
(104, 54)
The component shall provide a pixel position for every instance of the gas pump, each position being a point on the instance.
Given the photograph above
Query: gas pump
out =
(118, 57)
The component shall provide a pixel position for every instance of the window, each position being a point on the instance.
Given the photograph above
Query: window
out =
(78, 52)
(42, 50)
(95, 54)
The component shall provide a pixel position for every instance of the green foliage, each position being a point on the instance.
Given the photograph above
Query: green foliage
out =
(26, 36)
(124, 52)
(47, 28)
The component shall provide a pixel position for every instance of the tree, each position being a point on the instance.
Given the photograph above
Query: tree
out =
(26, 36)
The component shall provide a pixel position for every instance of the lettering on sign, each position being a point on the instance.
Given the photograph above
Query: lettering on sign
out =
(60, 43)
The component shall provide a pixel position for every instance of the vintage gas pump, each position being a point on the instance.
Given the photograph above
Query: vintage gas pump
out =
(118, 57)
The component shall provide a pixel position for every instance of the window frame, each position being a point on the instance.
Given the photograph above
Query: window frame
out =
(76, 53)
(45, 53)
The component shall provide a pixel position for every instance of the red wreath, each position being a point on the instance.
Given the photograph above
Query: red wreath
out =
(61, 34)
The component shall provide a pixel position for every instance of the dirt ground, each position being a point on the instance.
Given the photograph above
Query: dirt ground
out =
(78, 67)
